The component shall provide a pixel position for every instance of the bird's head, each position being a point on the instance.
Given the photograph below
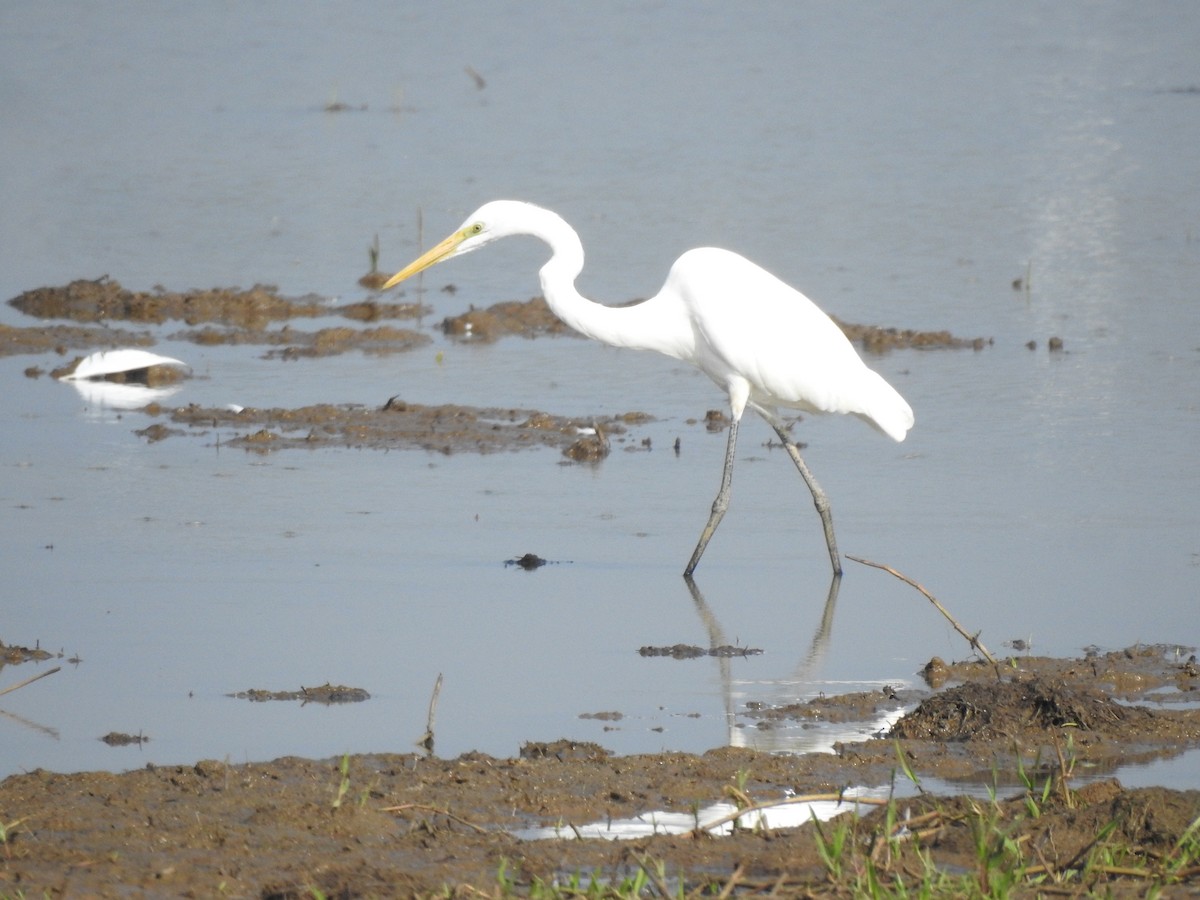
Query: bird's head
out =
(497, 219)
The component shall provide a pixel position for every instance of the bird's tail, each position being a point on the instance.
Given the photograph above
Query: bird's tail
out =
(883, 407)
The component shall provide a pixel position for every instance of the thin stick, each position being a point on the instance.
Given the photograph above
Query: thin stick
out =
(21, 684)
(972, 639)
(727, 891)
(426, 740)
(655, 879)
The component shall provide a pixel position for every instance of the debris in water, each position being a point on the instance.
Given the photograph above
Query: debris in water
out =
(326, 693)
(117, 739)
(528, 562)
(691, 651)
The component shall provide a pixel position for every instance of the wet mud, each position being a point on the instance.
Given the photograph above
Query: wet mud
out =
(105, 300)
(326, 694)
(1045, 734)
(238, 316)
(260, 317)
(396, 424)
(228, 316)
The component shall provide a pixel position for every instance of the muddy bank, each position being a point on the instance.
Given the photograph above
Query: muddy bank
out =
(227, 316)
(396, 424)
(237, 316)
(391, 825)
(105, 300)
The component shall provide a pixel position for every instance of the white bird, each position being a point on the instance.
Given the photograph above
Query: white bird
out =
(764, 343)
(106, 363)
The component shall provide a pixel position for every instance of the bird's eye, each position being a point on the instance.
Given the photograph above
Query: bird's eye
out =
(476, 228)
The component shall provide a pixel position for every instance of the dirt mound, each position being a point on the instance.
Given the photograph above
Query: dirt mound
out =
(979, 710)
(528, 319)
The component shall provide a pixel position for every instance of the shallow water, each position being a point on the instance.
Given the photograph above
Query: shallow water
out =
(900, 168)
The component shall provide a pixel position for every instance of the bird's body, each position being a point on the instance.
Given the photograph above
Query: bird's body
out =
(764, 343)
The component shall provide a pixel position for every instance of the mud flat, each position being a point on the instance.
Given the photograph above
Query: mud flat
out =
(1043, 734)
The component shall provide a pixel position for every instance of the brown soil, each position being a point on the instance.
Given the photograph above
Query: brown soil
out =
(395, 424)
(229, 316)
(235, 316)
(391, 825)
(103, 300)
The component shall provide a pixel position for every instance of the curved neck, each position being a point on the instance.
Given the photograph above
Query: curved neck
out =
(653, 324)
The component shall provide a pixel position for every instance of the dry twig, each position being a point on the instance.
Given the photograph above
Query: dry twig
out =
(21, 684)
(972, 639)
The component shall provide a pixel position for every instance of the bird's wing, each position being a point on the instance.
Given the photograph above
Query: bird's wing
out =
(752, 325)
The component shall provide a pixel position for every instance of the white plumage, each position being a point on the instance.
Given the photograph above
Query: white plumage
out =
(764, 343)
(113, 362)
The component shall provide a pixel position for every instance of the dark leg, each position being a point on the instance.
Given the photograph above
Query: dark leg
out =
(818, 495)
(720, 504)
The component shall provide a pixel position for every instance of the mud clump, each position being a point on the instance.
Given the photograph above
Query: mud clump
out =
(530, 562)
(326, 694)
(691, 651)
(589, 448)
(222, 316)
(157, 432)
(860, 706)
(564, 750)
(527, 319)
(330, 341)
(396, 424)
(103, 300)
(877, 339)
(13, 654)
(1010, 709)
(120, 739)
(61, 339)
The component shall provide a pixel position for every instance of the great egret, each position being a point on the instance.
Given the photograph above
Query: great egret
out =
(764, 343)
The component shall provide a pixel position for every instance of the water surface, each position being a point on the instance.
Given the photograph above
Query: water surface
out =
(900, 166)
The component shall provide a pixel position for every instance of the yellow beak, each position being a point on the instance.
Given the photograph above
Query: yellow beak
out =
(423, 262)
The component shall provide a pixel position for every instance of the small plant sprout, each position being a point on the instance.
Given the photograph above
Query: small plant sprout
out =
(343, 787)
